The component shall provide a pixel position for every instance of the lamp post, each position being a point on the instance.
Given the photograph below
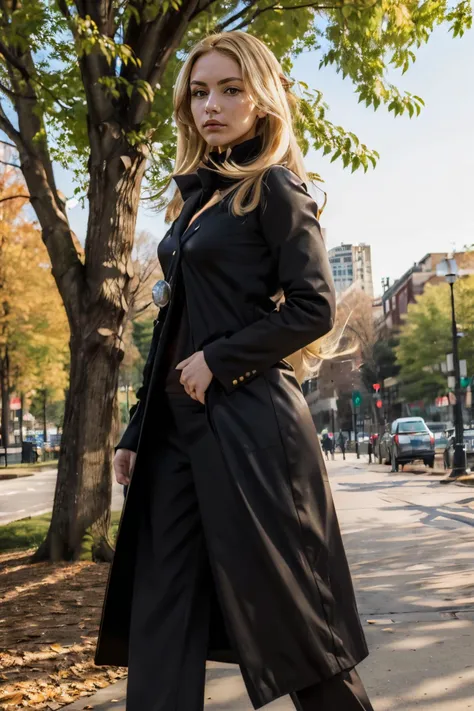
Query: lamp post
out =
(448, 269)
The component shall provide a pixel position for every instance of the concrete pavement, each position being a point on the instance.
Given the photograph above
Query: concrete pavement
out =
(410, 544)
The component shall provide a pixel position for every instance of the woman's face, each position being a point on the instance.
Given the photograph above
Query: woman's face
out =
(222, 110)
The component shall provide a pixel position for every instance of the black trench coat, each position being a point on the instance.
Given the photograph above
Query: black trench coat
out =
(284, 606)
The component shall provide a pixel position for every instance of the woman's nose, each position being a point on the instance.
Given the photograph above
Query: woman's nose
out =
(212, 103)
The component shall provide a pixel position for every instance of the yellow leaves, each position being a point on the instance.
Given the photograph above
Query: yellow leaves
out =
(33, 323)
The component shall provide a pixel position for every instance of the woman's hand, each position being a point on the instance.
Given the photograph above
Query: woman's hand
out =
(195, 376)
(124, 462)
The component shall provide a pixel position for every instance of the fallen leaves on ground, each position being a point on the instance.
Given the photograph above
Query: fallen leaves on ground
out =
(50, 616)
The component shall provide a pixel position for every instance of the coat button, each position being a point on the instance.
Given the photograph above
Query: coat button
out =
(247, 375)
(254, 371)
(241, 378)
(235, 382)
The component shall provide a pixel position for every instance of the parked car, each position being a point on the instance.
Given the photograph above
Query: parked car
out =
(409, 440)
(439, 429)
(382, 448)
(449, 451)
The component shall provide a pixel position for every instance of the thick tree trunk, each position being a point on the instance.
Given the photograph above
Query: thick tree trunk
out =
(84, 484)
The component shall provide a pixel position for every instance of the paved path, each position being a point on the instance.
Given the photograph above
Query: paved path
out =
(33, 495)
(410, 543)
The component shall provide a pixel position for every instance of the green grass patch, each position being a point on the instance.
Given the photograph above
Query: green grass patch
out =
(29, 532)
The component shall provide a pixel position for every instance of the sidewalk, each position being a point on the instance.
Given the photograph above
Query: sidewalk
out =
(410, 543)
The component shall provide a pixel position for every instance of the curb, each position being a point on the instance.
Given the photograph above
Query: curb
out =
(12, 473)
(15, 475)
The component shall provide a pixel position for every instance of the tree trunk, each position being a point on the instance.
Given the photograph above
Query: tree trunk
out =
(45, 423)
(20, 417)
(84, 483)
(5, 388)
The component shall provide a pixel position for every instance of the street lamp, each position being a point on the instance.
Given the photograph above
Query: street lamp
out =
(448, 269)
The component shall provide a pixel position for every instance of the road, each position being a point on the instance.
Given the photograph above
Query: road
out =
(33, 495)
(410, 543)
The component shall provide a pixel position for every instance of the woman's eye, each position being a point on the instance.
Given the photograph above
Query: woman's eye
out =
(233, 89)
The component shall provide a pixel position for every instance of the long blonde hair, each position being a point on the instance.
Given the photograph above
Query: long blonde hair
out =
(271, 93)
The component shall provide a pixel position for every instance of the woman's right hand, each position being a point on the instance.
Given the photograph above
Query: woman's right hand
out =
(124, 462)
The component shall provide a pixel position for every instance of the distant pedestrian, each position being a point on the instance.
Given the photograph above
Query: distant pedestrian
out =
(342, 444)
(327, 444)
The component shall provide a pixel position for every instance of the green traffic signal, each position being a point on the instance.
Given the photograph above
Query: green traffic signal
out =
(356, 398)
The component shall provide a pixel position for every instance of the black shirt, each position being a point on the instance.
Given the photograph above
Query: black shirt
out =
(180, 339)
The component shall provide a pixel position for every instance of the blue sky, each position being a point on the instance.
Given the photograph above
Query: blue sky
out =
(420, 197)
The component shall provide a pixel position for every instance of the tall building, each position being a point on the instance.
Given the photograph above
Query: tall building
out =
(352, 263)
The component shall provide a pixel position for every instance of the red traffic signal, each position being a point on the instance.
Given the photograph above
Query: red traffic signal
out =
(376, 387)
(379, 403)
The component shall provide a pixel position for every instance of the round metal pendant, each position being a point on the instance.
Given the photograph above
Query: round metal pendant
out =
(161, 293)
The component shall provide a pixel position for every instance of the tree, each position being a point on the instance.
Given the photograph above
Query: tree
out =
(425, 338)
(33, 324)
(88, 83)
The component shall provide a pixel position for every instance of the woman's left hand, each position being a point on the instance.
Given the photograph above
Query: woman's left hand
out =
(195, 376)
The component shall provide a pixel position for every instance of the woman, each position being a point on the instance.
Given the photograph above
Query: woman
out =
(229, 546)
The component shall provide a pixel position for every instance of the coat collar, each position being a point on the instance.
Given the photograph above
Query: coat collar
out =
(206, 178)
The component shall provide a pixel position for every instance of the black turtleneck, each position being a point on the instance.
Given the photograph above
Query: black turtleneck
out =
(208, 181)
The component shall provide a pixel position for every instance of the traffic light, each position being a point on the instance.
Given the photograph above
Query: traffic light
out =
(379, 403)
(376, 387)
(356, 398)
(465, 382)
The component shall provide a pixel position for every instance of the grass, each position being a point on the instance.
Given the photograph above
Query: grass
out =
(29, 532)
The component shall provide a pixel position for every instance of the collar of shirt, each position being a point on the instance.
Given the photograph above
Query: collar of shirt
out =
(207, 179)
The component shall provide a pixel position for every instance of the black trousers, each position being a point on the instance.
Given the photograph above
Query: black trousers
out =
(172, 583)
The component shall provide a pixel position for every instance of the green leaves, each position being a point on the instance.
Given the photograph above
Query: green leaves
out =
(425, 338)
(363, 40)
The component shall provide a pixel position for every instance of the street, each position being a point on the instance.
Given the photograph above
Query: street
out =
(410, 542)
(33, 495)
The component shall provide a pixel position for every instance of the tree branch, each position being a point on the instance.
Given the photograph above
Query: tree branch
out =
(223, 25)
(10, 145)
(15, 197)
(14, 61)
(10, 130)
(154, 43)
(13, 165)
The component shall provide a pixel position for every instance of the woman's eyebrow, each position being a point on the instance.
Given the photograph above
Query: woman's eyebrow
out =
(221, 81)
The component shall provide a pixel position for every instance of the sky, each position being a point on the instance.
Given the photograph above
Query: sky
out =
(420, 197)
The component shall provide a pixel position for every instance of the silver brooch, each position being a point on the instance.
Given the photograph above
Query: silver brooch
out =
(161, 293)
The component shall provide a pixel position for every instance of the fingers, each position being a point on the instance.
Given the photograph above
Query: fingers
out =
(184, 363)
(124, 461)
(122, 478)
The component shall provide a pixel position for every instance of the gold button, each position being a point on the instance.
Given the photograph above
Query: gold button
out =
(235, 382)
(241, 378)
(247, 375)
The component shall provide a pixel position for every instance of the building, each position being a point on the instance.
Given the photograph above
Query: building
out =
(398, 296)
(352, 264)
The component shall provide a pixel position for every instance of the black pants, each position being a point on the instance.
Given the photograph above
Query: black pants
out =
(171, 600)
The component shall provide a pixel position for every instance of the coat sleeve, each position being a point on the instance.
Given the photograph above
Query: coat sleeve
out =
(291, 229)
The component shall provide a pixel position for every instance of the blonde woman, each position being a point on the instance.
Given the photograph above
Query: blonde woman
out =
(229, 547)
